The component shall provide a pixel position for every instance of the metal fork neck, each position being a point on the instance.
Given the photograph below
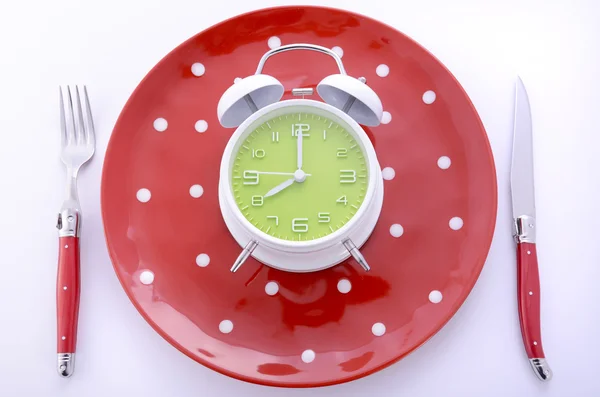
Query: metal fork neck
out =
(68, 223)
(69, 218)
(72, 198)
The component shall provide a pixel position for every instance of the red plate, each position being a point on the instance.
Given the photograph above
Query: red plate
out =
(308, 333)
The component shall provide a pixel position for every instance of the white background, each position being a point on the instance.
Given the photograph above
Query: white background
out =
(111, 44)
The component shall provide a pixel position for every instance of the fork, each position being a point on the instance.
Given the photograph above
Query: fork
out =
(77, 147)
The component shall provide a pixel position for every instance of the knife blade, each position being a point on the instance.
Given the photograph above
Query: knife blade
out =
(523, 207)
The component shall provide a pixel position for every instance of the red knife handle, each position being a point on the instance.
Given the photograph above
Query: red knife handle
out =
(528, 287)
(67, 295)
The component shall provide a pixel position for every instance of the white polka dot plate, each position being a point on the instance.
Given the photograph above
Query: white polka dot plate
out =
(172, 250)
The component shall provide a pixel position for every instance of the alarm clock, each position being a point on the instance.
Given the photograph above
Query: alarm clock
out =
(300, 186)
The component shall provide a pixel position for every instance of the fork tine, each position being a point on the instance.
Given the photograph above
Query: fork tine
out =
(63, 126)
(71, 131)
(80, 132)
(91, 134)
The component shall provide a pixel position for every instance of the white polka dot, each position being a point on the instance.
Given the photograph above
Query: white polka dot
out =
(146, 277)
(338, 50)
(388, 173)
(396, 230)
(344, 286)
(378, 329)
(143, 195)
(160, 124)
(67, 246)
(63, 338)
(308, 356)
(65, 287)
(198, 69)
(429, 97)
(444, 162)
(225, 326)
(528, 252)
(237, 80)
(530, 292)
(202, 260)
(435, 296)
(196, 191)
(382, 70)
(274, 42)
(455, 223)
(386, 117)
(201, 125)
(271, 288)
(535, 343)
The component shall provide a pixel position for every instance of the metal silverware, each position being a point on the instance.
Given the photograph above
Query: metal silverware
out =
(77, 147)
(523, 206)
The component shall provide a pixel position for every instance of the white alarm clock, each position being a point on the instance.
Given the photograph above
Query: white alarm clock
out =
(300, 185)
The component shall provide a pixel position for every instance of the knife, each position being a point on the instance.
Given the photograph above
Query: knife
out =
(523, 207)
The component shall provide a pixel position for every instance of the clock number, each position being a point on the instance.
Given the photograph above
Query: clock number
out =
(300, 129)
(258, 153)
(347, 176)
(257, 201)
(300, 225)
(342, 152)
(324, 217)
(275, 136)
(324, 134)
(250, 178)
(274, 217)
(342, 200)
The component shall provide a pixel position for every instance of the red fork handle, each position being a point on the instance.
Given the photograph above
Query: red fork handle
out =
(528, 289)
(67, 303)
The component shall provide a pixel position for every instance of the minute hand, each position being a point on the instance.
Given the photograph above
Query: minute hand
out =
(299, 147)
(274, 173)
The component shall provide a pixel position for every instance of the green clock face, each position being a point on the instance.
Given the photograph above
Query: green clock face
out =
(299, 176)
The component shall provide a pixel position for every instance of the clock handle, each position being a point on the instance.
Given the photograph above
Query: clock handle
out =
(246, 252)
(309, 47)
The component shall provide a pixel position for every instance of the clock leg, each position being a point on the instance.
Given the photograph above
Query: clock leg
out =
(356, 254)
(246, 252)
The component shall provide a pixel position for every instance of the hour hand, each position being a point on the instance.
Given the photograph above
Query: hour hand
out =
(280, 187)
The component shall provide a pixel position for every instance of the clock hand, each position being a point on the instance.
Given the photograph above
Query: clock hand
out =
(299, 149)
(273, 173)
(280, 187)
(299, 176)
